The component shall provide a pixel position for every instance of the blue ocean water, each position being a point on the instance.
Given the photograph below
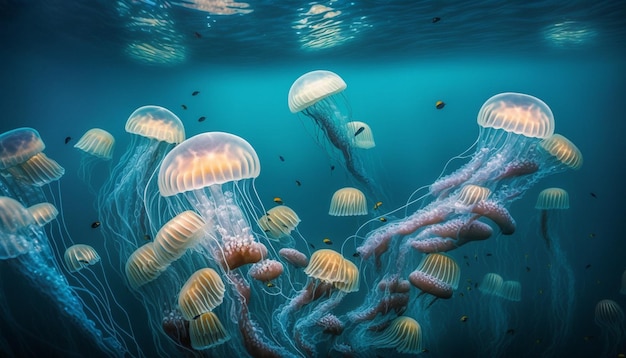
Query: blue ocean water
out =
(71, 66)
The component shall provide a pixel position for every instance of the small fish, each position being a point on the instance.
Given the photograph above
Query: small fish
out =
(266, 231)
(356, 254)
(489, 254)
(436, 19)
(327, 241)
(201, 119)
(195, 93)
(469, 288)
(425, 350)
(184, 106)
(197, 35)
(592, 235)
(147, 237)
(67, 139)
(269, 284)
(588, 266)
(298, 183)
(464, 318)
(382, 219)
(311, 244)
(359, 131)
(510, 331)
(527, 269)
(95, 224)
(281, 158)
(465, 257)
(278, 201)
(439, 104)
(467, 263)
(84, 262)
(332, 167)
(377, 205)
(593, 195)
(475, 257)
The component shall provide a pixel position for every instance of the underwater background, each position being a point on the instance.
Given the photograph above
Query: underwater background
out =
(68, 67)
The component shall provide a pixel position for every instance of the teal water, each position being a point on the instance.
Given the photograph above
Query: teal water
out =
(63, 75)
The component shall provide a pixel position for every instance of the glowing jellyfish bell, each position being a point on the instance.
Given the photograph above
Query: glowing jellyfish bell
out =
(97, 142)
(404, 334)
(313, 87)
(43, 213)
(21, 154)
(348, 202)
(514, 113)
(562, 153)
(80, 256)
(207, 169)
(438, 274)
(157, 123)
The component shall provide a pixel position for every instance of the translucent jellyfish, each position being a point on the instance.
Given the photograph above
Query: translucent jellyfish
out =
(129, 198)
(143, 266)
(202, 292)
(362, 136)
(21, 155)
(206, 169)
(404, 335)
(96, 145)
(279, 222)
(43, 213)
(177, 235)
(14, 228)
(348, 202)
(318, 95)
(79, 256)
(207, 331)
(491, 284)
(562, 153)
(552, 203)
(438, 274)
(609, 316)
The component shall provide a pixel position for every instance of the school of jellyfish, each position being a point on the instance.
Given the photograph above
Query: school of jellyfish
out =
(220, 275)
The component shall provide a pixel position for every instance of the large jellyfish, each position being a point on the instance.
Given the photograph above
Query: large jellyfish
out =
(552, 202)
(318, 95)
(123, 198)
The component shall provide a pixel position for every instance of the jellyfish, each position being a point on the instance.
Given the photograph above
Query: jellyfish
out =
(437, 274)
(96, 145)
(362, 136)
(279, 222)
(207, 331)
(25, 247)
(43, 213)
(609, 316)
(348, 202)
(552, 202)
(404, 335)
(126, 195)
(318, 95)
(21, 155)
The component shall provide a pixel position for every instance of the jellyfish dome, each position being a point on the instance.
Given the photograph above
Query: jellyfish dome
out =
(517, 113)
(143, 266)
(491, 284)
(348, 202)
(207, 159)
(177, 235)
(43, 213)
(80, 256)
(14, 231)
(404, 334)
(437, 274)
(97, 142)
(563, 152)
(361, 134)
(552, 198)
(207, 331)
(202, 292)
(157, 123)
(279, 221)
(471, 194)
(312, 87)
(18, 145)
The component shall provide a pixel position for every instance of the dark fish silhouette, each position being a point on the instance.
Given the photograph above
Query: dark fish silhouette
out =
(95, 224)
(197, 35)
(147, 237)
(201, 119)
(281, 158)
(327, 241)
(195, 93)
(510, 331)
(359, 131)
(356, 254)
(332, 167)
(184, 107)
(436, 19)
(588, 266)
(593, 195)
(464, 318)
(439, 104)
(298, 183)
(67, 139)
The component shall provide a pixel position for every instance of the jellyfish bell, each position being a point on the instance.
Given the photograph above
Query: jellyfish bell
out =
(43, 213)
(279, 222)
(313, 87)
(561, 153)
(95, 146)
(21, 155)
(80, 256)
(202, 292)
(210, 170)
(362, 136)
(348, 202)
(156, 122)
(404, 334)
(437, 274)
